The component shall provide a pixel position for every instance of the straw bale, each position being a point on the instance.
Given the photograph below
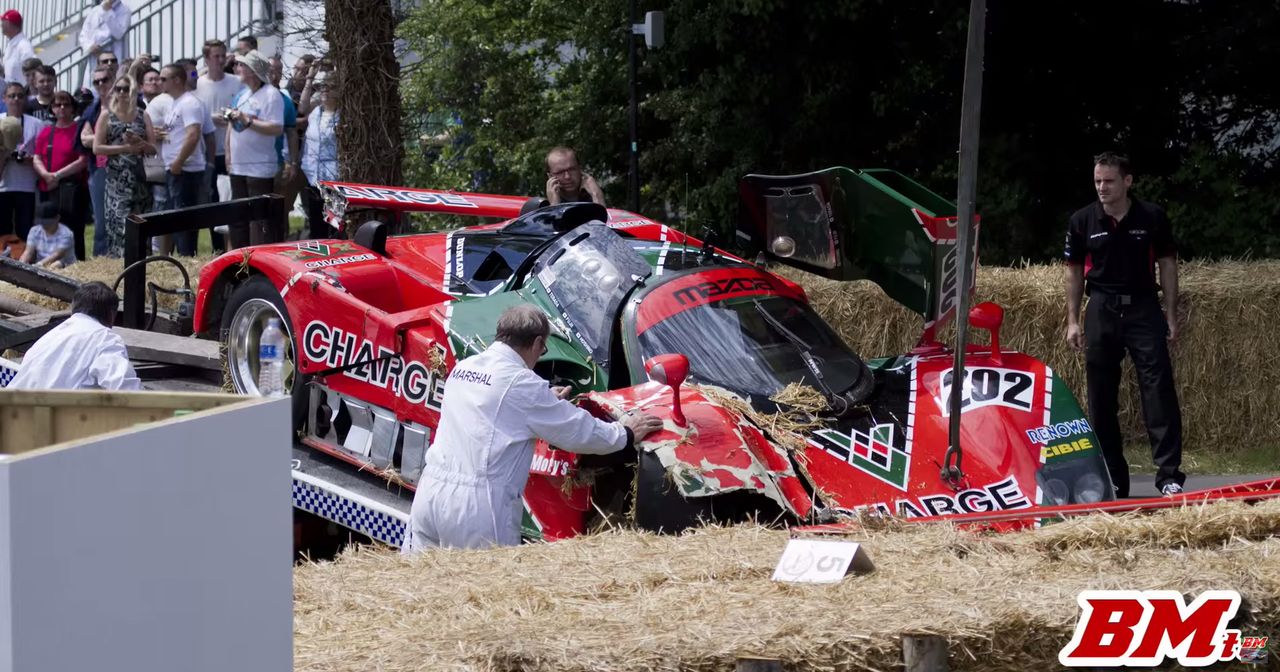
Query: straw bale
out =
(1226, 363)
(107, 269)
(634, 601)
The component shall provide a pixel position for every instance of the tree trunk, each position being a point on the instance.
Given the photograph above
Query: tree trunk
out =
(366, 81)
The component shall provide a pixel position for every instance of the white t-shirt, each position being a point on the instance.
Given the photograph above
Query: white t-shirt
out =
(16, 51)
(184, 112)
(22, 176)
(216, 96)
(253, 154)
(157, 110)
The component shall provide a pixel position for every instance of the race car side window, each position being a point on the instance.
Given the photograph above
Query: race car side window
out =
(488, 259)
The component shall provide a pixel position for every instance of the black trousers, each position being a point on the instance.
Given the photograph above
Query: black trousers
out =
(17, 212)
(184, 192)
(1115, 324)
(219, 168)
(258, 231)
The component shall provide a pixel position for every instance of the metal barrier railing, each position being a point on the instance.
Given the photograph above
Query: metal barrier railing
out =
(140, 228)
(174, 29)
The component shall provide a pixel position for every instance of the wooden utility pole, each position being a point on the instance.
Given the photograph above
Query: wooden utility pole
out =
(366, 81)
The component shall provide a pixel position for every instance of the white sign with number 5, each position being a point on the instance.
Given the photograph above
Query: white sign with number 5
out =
(819, 561)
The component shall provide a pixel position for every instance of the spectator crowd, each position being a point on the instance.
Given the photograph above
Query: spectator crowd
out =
(141, 135)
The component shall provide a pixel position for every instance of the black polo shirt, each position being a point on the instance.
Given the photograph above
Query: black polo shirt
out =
(1119, 257)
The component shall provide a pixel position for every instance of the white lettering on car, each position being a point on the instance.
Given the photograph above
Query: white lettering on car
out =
(336, 348)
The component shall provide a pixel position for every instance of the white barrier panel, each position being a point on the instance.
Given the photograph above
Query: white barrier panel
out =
(163, 547)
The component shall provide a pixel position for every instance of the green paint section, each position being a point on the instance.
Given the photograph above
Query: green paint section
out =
(877, 235)
(529, 529)
(895, 473)
(473, 327)
(1064, 408)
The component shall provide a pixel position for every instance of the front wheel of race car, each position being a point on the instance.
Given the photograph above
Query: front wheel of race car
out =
(247, 312)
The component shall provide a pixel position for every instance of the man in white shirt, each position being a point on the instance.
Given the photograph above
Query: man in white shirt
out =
(17, 175)
(217, 90)
(104, 29)
(495, 407)
(253, 124)
(182, 145)
(82, 352)
(18, 49)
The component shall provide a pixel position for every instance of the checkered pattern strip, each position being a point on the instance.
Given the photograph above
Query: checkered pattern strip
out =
(350, 514)
(7, 372)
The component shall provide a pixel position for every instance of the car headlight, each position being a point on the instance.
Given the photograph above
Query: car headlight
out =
(1088, 489)
(1057, 492)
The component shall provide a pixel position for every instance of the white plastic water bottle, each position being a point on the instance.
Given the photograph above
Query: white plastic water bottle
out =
(271, 360)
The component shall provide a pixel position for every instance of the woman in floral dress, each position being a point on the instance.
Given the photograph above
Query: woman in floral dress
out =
(124, 135)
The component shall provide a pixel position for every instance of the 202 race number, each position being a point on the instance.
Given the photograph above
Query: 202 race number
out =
(985, 386)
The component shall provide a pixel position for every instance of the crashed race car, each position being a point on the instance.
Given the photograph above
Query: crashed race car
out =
(767, 412)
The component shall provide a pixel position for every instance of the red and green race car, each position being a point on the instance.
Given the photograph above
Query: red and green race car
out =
(646, 317)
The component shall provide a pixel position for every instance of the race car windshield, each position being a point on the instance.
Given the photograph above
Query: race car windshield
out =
(731, 344)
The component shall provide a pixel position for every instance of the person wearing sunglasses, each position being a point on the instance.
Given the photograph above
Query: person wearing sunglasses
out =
(61, 169)
(17, 176)
(102, 78)
(18, 49)
(104, 30)
(124, 135)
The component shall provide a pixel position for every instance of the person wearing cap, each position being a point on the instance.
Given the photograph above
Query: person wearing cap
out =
(254, 121)
(103, 30)
(50, 243)
(495, 407)
(82, 353)
(18, 49)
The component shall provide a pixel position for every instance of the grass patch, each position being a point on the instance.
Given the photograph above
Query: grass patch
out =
(1262, 459)
(204, 246)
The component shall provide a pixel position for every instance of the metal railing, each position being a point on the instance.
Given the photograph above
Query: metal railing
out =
(42, 19)
(173, 29)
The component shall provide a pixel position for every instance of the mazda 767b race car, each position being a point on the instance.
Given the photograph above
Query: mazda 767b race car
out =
(647, 318)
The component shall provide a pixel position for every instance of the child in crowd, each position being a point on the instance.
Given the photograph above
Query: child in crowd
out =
(50, 243)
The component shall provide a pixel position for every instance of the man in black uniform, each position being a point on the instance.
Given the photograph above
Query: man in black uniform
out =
(1114, 244)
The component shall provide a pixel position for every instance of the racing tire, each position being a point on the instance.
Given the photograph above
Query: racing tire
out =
(660, 508)
(251, 304)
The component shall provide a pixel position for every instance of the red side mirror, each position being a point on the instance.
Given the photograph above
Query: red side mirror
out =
(670, 370)
(989, 316)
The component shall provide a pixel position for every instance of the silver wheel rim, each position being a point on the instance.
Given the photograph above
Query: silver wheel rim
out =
(246, 330)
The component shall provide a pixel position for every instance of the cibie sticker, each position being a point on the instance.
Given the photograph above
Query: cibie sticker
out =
(1144, 628)
(987, 386)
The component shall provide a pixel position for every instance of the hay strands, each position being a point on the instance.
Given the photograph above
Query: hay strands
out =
(1253, 491)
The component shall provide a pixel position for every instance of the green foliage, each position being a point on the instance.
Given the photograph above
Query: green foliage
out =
(782, 86)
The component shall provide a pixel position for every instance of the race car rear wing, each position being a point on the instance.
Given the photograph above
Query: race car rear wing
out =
(343, 197)
(847, 224)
